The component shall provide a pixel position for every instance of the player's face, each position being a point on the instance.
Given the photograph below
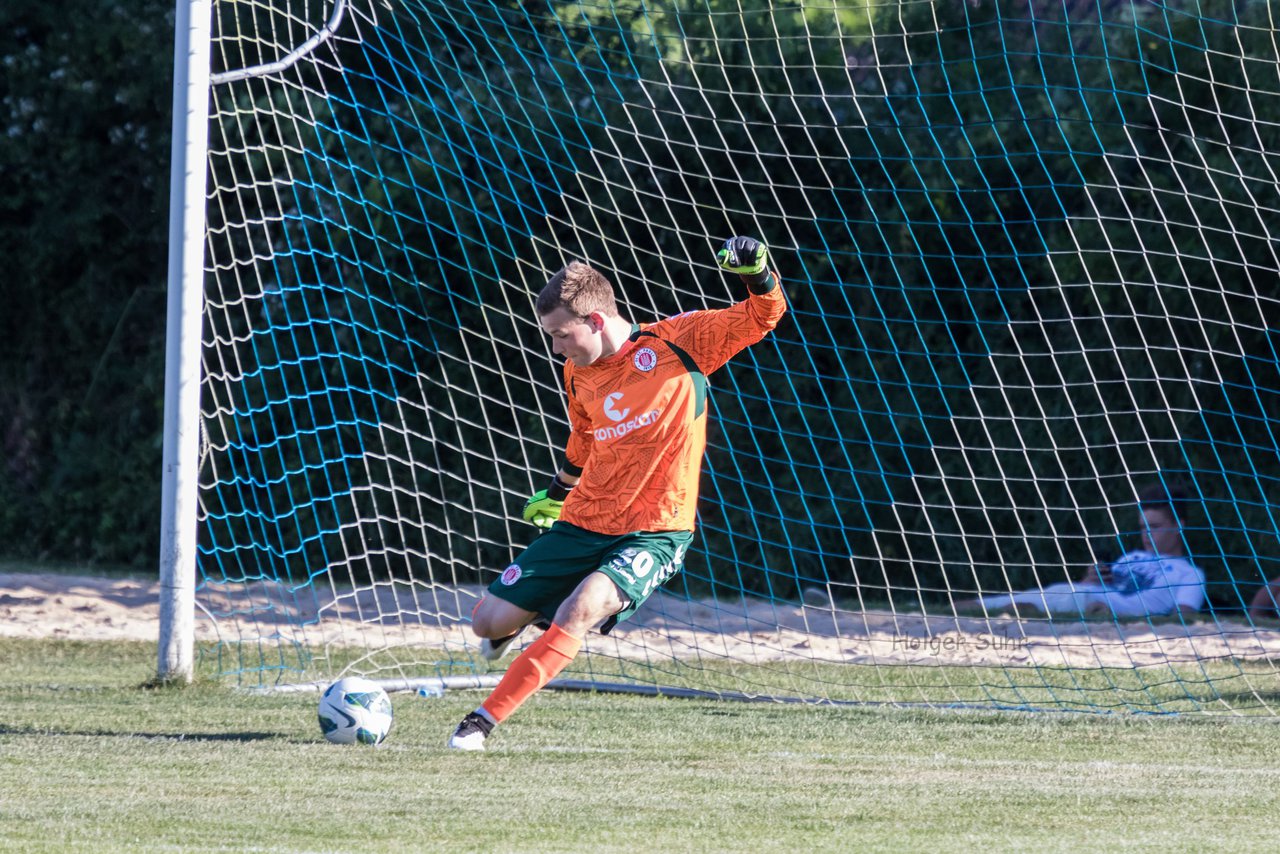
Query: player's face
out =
(1160, 533)
(578, 339)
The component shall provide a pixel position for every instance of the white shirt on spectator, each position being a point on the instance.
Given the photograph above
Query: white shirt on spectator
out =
(1143, 584)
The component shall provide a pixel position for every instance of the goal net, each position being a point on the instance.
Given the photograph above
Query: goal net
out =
(1031, 253)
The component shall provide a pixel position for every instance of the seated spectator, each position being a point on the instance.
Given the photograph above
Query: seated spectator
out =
(1156, 580)
(1266, 602)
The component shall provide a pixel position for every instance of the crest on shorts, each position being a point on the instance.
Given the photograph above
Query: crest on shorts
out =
(645, 359)
(511, 574)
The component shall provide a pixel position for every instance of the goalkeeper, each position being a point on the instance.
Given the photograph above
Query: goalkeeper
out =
(619, 515)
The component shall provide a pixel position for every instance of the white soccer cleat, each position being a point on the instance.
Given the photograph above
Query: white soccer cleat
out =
(492, 650)
(471, 733)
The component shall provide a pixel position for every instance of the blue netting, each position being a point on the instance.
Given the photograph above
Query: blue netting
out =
(1030, 252)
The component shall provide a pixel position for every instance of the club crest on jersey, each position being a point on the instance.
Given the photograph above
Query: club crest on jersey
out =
(511, 574)
(645, 359)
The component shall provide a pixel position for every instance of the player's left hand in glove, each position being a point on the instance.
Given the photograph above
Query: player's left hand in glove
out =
(544, 506)
(749, 258)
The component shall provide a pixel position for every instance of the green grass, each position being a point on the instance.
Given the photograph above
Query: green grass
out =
(91, 761)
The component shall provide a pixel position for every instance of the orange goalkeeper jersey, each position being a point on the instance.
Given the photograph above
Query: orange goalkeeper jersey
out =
(639, 417)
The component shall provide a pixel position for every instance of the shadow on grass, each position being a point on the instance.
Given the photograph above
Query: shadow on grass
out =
(170, 736)
(1251, 697)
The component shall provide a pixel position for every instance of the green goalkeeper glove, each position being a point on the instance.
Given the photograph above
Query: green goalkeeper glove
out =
(544, 506)
(749, 258)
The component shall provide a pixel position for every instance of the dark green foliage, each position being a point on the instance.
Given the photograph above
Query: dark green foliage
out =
(85, 95)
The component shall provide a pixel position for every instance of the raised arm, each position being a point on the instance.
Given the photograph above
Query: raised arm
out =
(714, 337)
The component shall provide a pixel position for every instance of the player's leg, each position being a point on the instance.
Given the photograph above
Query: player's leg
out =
(633, 567)
(629, 569)
(593, 601)
(1058, 599)
(532, 587)
(498, 623)
(1156, 602)
(546, 574)
(1054, 600)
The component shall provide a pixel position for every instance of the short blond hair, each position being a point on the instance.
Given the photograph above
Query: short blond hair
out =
(579, 289)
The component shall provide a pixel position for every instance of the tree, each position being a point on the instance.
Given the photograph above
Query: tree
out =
(85, 99)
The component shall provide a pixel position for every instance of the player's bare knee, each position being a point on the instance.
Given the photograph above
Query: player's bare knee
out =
(494, 618)
(482, 626)
(488, 622)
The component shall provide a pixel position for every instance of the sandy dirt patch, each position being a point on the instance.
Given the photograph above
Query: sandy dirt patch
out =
(395, 614)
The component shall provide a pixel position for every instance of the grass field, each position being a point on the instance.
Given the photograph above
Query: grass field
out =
(91, 761)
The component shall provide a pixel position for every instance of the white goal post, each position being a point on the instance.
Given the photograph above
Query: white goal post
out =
(179, 476)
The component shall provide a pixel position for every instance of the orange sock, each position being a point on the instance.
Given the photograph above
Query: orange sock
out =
(541, 662)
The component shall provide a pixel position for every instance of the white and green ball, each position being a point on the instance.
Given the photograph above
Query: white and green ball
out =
(355, 710)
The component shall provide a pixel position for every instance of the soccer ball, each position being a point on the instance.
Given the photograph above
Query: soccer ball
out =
(353, 709)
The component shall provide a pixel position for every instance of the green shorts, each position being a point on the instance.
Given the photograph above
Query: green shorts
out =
(555, 564)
